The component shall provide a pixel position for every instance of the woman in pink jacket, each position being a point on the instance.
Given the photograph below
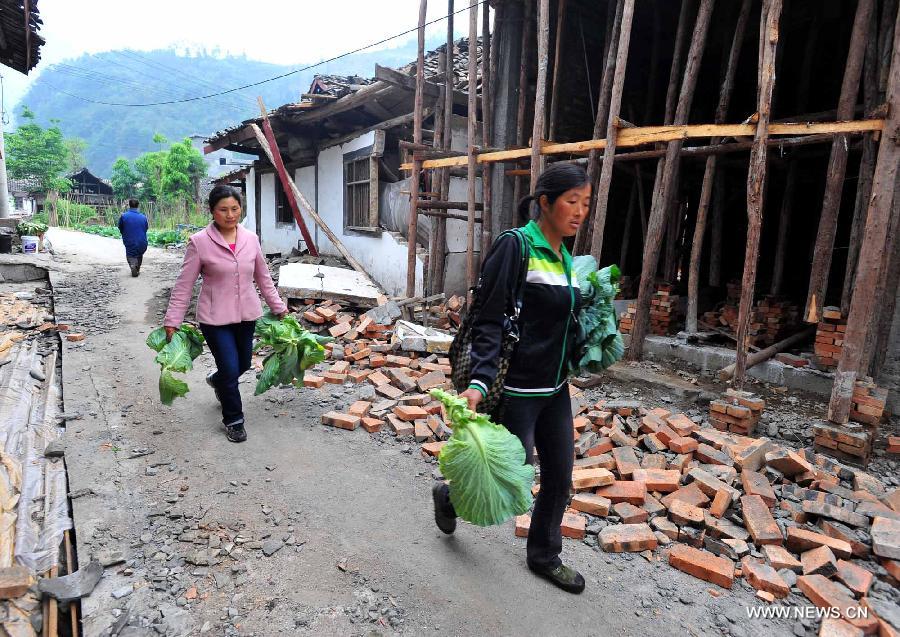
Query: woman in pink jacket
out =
(230, 261)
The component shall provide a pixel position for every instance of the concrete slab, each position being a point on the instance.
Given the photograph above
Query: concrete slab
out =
(309, 281)
(625, 373)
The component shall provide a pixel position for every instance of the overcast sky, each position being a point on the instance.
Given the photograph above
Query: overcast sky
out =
(278, 31)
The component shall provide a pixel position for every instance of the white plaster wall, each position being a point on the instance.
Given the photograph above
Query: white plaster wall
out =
(249, 221)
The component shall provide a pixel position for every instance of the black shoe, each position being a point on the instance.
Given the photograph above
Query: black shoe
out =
(211, 383)
(444, 513)
(134, 271)
(563, 576)
(235, 431)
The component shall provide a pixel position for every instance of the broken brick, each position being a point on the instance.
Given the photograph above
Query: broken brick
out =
(885, 534)
(690, 493)
(311, 380)
(662, 480)
(836, 627)
(372, 425)
(819, 561)
(799, 540)
(15, 581)
(683, 513)
(410, 412)
(840, 514)
(756, 484)
(360, 408)
(400, 427)
(627, 538)
(825, 594)
(683, 445)
(759, 521)
(389, 391)
(854, 577)
(341, 421)
(339, 329)
(523, 524)
(703, 565)
(433, 448)
(709, 455)
(591, 503)
(591, 478)
(626, 461)
(314, 317)
(629, 513)
(624, 491)
(720, 503)
(573, 526)
(431, 380)
(779, 557)
(763, 577)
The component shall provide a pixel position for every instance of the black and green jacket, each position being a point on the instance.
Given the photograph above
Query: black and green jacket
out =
(547, 324)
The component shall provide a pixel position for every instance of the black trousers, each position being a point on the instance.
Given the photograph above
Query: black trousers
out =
(232, 347)
(545, 423)
(135, 262)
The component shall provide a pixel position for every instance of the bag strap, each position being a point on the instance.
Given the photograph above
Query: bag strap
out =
(519, 290)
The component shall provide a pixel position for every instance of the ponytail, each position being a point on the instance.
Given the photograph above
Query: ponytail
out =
(553, 182)
(525, 207)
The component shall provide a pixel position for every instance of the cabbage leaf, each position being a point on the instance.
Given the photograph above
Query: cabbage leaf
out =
(294, 350)
(485, 464)
(598, 343)
(175, 355)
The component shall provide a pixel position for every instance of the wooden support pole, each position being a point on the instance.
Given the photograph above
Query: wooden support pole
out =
(837, 166)
(709, 175)
(472, 116)
(538, 132)
(522, 97)
(486, 128)
(663, 198)
(557, 62)
(863, 304)
(877, 348)
(615, 102)
(629, 222)
(417, 163)
(726, 373)
(276, 160)
(439, 254)
(601, 121)
(756, 181)
(716, 234)
(435, 254)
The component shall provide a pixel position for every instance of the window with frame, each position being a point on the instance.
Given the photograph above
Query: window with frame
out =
(283, 211)
(361, 187)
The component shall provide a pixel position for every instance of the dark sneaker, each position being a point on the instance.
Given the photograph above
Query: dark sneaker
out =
(563, 576)
(235, 431)
(135, 271)
(211, 383)
(444, 513)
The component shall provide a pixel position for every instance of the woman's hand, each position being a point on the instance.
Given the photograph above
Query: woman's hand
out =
(281, 315)
(169, 332)
(474, 397)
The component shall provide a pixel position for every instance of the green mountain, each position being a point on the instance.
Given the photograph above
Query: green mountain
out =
(79, 94)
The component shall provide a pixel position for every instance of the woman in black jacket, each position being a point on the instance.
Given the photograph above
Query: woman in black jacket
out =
(536, 406)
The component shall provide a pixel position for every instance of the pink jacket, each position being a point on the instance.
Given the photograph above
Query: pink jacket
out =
(227, 294)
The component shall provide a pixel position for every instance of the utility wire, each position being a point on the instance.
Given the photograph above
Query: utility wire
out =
(271, 79)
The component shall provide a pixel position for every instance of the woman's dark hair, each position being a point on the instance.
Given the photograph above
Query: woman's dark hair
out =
(553, 182)
(133, 203)
(219, 193)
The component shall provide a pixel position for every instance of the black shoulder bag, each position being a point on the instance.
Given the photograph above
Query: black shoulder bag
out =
(461, 347)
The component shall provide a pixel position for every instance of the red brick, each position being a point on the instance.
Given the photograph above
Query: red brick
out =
(603, 445)
(372, 425)
(779, 557)
(682, 513)
(376, 361)
(763, 577)
(377, 378)
(389, 391)
(340, 367)
(339, 329)
(818, 561)
(341, 421)
(683, 445)
(523, 524)
(581, 423)
(756, 484)
(326, 313)
(682, 425)
(360, 408)
(626, 461)
(397, 361)
(15, 581)
(400, 427)
(311, 380)
(630, 514)
(358, 375)
(314, 317)
(834, 627)
(591, 478)
(410, 412)
(854, 577)
(702, 564)
(627, 538)
(759, 521)
(662, 480)
(790, 463)
(591, 503)
(885, 534)
(826, 594)
(430, 381)
(624, 491)
(573, 526)
(690, 493)
(720, 503)
(799, 540)
(765, 596)
(361, 354)
(334, 378)
(433, 448)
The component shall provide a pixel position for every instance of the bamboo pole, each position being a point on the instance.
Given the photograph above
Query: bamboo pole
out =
(520, 106)
(837, 167)
(538, 130)
(862, 306)
(663, 198)
(472, 117)
(756, 179)
(709, 175)
(557, 59)
(615, 102)
(417, 163)
(486, 128)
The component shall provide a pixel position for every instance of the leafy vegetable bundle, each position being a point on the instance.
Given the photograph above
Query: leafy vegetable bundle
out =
(485, 464)
(175, 356)
(599, 343)
(294, 350)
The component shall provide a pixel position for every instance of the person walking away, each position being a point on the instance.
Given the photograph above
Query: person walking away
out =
(230, 260)
(133, 228)
(535, 405)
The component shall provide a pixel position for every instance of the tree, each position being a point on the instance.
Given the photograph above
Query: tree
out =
(149, 167)
(75, 161)
(124, 179)
(37, 153)
(183, 169)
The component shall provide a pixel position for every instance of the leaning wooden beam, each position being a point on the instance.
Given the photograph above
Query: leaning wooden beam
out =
(874, 241)
(837, 167)
(557, 62)
(392, 77)
(412, 228)
(667, 185)
(601, 121)
(486, 127)
(602, 196)
(756, 180)
(726, 373)
(429, 204)
(264, 144)
(472, 116)
(275, 158)
(538, 132)
(709, 174)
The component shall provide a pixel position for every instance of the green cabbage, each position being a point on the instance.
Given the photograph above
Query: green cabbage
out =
(176, 355)
(485, 465)
(294, 350)
(598, 343)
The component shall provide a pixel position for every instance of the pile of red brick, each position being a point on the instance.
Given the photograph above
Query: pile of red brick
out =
(868, 402)
(626, 319)
(854, 442)
(772, 320)
(830, 338)
(663, 478)
(737, 412)
(665, 313)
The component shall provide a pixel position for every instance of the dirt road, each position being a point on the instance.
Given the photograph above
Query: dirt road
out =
(303, 529)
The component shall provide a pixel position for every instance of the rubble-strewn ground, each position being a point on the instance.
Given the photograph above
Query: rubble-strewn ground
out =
(308, 529)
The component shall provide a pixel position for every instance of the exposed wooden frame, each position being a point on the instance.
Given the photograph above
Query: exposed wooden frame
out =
(538, 133)
(417, 163)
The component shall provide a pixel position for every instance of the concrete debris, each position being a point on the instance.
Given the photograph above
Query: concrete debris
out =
(68, 588)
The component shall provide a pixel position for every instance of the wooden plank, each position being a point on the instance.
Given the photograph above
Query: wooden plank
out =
(837, 166)
(756, 179)
(863, 303)
(310, 281)
(538, 132)
(400, 120)
(709, 174)
(615, 102)
(417, 163)
(394, 77)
